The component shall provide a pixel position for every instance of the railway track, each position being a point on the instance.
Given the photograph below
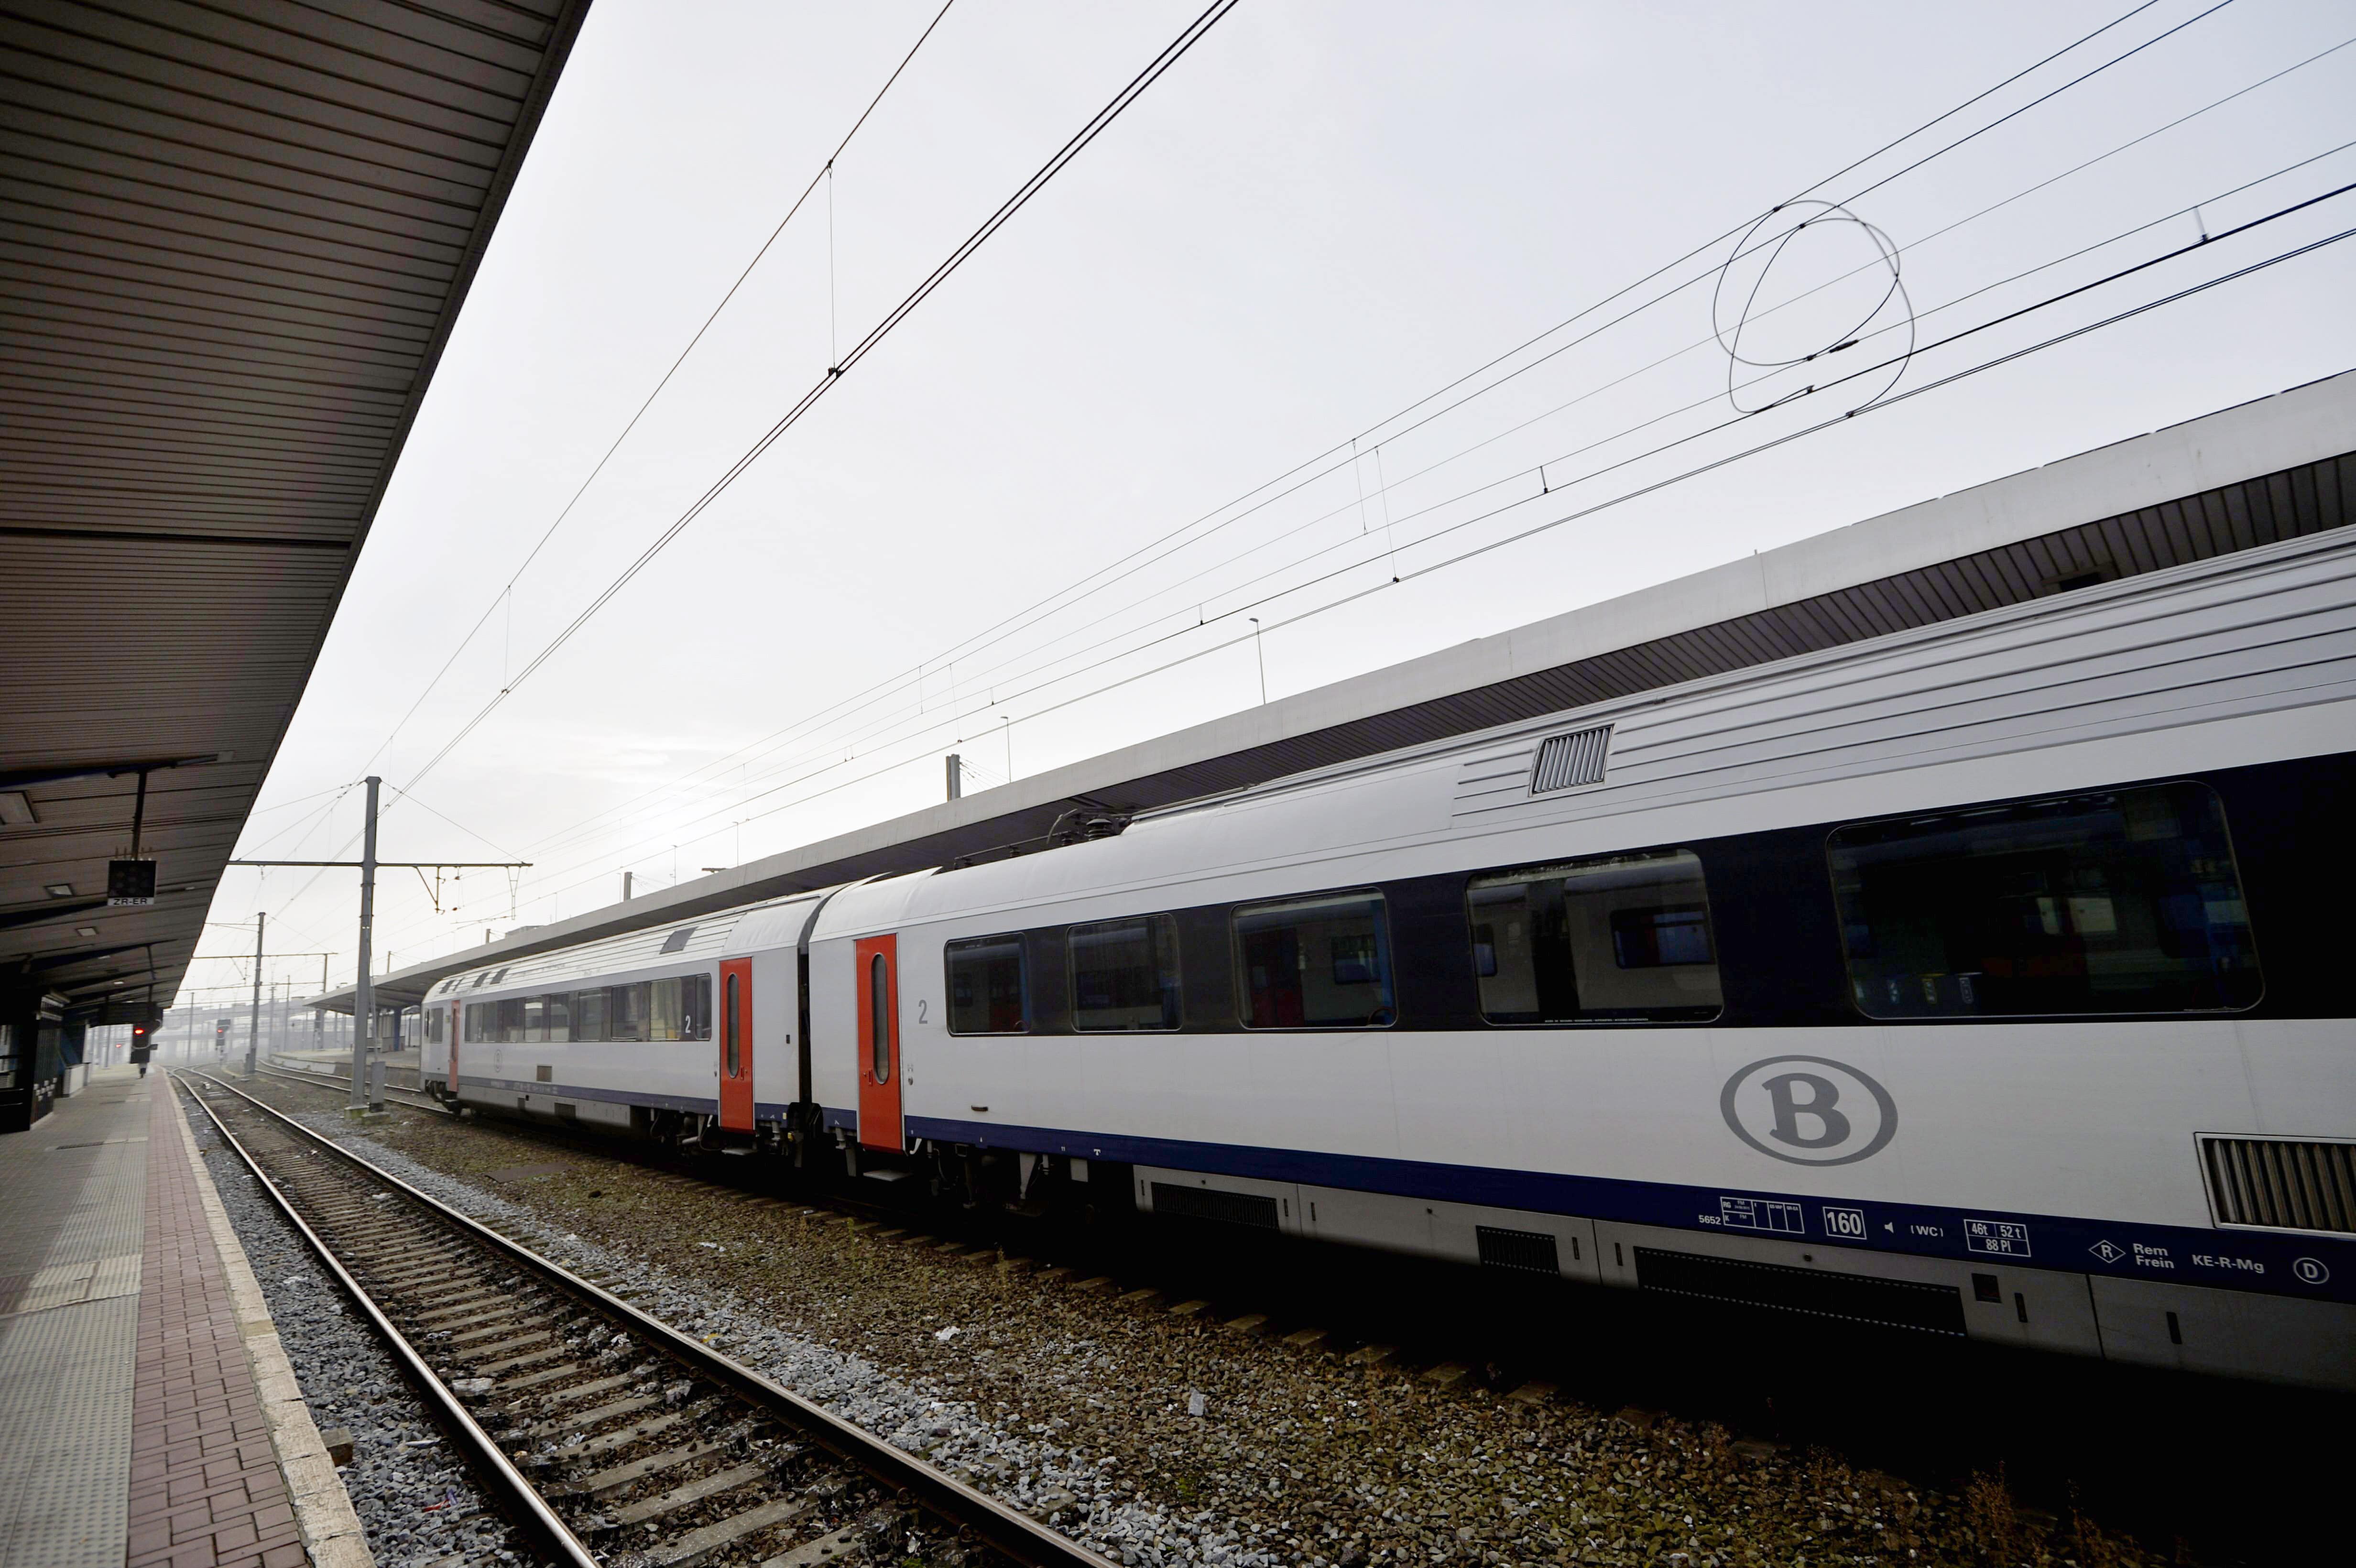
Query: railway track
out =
(612, 1440)
(1442, 1328)
(408, 1099)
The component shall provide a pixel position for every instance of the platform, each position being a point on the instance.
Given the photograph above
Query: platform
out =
(147, 1416)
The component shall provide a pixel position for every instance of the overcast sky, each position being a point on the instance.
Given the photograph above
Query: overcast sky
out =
(1322, 215)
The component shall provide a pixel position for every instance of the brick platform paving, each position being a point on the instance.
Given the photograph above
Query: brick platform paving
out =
(206, 1489)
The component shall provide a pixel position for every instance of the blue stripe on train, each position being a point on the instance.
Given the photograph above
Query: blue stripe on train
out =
(2279, 1265)
(2319, 1268)
(766, 1111)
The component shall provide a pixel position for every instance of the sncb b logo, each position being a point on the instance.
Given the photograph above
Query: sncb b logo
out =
(1809, 1109)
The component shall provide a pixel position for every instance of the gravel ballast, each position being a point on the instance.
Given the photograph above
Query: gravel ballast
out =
(1160, 1438)
(416, 1500)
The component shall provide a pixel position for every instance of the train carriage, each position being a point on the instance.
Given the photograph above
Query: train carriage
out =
(1981, 979)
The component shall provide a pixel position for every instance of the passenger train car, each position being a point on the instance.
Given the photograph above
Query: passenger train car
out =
(1986, 979)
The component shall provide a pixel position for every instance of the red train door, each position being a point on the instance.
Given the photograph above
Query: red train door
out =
(737, 1045)
(879, 1042)
(457, 1016)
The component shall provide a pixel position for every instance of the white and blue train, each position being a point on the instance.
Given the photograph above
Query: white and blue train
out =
(1983, 979)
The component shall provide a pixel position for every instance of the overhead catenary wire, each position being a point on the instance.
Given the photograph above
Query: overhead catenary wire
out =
(867, 737)
(2211, 199)
(1170, 54)
(461, 827)
(1382, 427)
(1386, 488)
(1499, 359)
(504, 597)
(1716, 464)
(1066, 596)
(826, 172)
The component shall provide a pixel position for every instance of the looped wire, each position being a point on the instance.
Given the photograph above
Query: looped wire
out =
(1813, 213)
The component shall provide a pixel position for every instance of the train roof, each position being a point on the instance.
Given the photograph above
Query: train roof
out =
(2267, 636)
(686, 945)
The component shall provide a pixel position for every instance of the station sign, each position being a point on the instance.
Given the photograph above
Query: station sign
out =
(130, 884)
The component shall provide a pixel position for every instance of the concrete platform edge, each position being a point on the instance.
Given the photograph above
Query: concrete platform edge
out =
(322, 1510)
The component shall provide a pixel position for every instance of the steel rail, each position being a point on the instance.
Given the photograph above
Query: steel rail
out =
(423, 1102)
(1020, 1537)
(530, 1509)
(644, 1153)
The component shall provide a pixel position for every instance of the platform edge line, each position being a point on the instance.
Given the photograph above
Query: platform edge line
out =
(332, 1534)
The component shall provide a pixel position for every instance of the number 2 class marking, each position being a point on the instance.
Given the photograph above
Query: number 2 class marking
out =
(921, 1006)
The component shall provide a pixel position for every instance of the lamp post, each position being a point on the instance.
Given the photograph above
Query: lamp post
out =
(253, 1036)
(363, 1097)
(364, 994)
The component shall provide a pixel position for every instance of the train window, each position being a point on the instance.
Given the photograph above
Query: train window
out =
(1318, 963)
(626, 1012)
(1125, 973)
(728, 1027)
(2119, 902)
(879, 1018)
(589, 1014)
(513, 1020)
(673, 1011)
(1611, 939)
(535, 1019)
(556, 1011)
(989, 993)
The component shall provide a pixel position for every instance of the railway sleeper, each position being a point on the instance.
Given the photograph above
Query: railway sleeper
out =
(603, 1483)
(701, 1542)
(413, 1259)
(491, 1320)
(533, 1359)
(391, 1247)
(539, 1379)
(834, 1548)
(411, 1282)
(695, 1492)
(473, 1336)
(589, 1390)
(365, 1226)
(612, 1442)
(477, 1301)
(581, 1421)
(501, 1347)
(372, 1217)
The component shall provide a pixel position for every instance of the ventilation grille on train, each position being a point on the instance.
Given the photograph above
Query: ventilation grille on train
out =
(1565, 761)
(1530, 1250)
(1210, 1203)
(2293, 1184)
(677, 941)
(1892, 1303)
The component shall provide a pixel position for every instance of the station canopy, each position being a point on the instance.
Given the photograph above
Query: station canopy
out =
(234, 237)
